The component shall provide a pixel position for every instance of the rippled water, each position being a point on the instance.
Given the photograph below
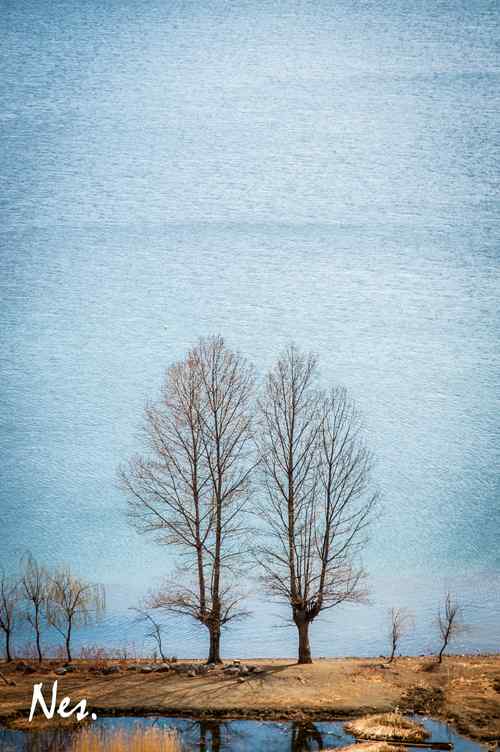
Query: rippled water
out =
(230, 736)
(326, 172)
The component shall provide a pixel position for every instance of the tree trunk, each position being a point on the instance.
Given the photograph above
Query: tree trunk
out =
(38, 645)
(216, 736)
(8, 656)
(304, 647)
(68, 643)
(160, 648)
(214, 653)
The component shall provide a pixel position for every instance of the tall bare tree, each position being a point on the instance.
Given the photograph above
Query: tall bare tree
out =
(449, 622)
(35, 586)
(317, 504)
(191, 488)
(72, 602)
(10, 596)
(400, 622)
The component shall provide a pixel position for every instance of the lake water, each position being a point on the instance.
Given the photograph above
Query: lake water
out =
(317, 171)
(230, 736)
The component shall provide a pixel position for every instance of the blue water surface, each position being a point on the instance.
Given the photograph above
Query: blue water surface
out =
(307, 170)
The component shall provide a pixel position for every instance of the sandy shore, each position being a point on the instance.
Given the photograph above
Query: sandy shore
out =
(464, 691)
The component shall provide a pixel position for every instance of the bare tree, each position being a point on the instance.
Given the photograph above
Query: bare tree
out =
(400, 623)
(10, 597)
(191, 489)
(316, 472)
(449, 622)
(72, 602)
(34, 587)
(154, 628)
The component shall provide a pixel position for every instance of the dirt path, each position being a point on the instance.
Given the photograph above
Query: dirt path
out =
(464, 691)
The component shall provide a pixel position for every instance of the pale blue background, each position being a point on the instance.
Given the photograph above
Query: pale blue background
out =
(322, 171)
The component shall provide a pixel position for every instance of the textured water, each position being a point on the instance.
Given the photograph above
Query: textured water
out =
(229, 736)
(326, 172)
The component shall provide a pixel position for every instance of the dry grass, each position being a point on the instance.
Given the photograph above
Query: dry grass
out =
(387, 727)
(331, 687)
(138, 740)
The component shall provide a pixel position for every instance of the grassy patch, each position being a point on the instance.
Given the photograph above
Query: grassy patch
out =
(138, 740)
(387, 727)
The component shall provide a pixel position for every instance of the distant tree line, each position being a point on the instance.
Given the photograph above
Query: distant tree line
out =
(46, 598)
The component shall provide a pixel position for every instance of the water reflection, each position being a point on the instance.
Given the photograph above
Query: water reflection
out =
(222, 737)
(48, 740)
(202, 735)
(199, 735)
(305, 736)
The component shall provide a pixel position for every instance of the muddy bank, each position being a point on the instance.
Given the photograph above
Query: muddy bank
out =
(464, 691)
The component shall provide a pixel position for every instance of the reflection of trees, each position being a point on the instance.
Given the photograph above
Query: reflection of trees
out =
(207, 736)
(305, 737)
(48, 740)
(215, 736)
(210, 736)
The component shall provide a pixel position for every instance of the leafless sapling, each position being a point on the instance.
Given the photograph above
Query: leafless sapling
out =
(10, 597)
(400, 623)
(72, 602)
(318, 502)
(191, 488)
(449, 622)
(35, 587)
(154, 629)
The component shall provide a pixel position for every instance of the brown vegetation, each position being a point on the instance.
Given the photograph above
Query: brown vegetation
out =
(387, 727)
(138, 740)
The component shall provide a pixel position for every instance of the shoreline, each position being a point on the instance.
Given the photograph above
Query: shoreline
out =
(464, 691)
